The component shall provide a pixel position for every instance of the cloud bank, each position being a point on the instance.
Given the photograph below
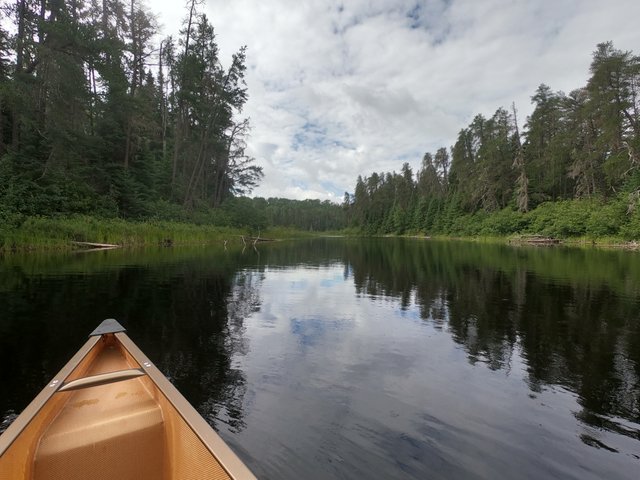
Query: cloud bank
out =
(339, 89)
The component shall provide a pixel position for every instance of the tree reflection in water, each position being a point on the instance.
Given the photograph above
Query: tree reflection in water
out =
(184, 309)
(573, 315)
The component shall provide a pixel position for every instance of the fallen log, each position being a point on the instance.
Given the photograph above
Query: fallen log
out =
(256, 239)
(261, 239)
(95, 245)
(536, 240)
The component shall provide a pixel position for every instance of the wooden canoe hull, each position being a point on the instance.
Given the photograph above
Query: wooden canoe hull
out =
(120, 419)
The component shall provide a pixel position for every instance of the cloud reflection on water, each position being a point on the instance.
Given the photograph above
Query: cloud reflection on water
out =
(349, 378)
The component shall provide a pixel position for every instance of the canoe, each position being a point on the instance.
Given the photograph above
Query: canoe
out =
(111, 414)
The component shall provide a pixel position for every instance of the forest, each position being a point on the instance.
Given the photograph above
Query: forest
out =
(98, 118)
(573, 169)
(101, 117)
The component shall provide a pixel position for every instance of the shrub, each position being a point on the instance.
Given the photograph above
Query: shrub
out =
(566, 218)
(504, 222)
(606, 219)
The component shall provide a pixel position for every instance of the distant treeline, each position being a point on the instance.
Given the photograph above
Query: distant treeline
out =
(260, 213)
(574, 169)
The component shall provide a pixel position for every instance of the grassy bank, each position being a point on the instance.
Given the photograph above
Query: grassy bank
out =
(43, 233)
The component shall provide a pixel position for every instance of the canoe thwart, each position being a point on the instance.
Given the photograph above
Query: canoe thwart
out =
(102, 379)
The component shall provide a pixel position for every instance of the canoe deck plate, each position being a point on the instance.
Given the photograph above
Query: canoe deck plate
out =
(110, 325)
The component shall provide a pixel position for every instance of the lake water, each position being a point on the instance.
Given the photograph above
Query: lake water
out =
(350, 358)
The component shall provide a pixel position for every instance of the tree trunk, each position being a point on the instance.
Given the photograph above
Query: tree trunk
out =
(74, 13)
(134, 81)
(16, 117)
(94, 96)
(177, 140)
(106, 28)
(127, 148)
(135, 50)
(42, 67)
(2, 145)
(20, 39)
(522, 182)
(163, 105)
(179, 130)
(192, 10)
(197, 170)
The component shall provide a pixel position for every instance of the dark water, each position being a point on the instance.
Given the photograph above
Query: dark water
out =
(353, 359)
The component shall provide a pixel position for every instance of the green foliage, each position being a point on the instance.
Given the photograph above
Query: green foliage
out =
(564, 219)
(630, 230)
(310, 215)
(505, 222)
(242, 213)
(559, 219)
(606, 219)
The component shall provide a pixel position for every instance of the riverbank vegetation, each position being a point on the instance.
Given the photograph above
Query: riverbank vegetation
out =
(61, 233)
(574, 170)
(41, 233)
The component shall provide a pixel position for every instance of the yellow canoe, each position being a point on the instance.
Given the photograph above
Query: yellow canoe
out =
(111, 414)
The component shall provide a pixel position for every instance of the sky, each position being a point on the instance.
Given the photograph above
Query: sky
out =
(339, 89)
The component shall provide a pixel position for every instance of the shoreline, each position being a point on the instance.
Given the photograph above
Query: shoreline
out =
(47, 234)
(604, 243)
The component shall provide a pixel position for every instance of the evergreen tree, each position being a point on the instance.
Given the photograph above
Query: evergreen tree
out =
(545, 148)
(614, 109)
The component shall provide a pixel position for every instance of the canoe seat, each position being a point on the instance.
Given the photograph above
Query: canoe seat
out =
(111, 431)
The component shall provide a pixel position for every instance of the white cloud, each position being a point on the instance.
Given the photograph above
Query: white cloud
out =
(339, 89)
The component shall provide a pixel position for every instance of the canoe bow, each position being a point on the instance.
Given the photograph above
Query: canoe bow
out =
(110, 413)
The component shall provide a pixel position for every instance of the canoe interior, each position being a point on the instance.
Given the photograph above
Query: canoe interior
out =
(124, 430)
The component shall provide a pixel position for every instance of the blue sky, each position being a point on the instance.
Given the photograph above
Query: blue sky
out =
(342, 88)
